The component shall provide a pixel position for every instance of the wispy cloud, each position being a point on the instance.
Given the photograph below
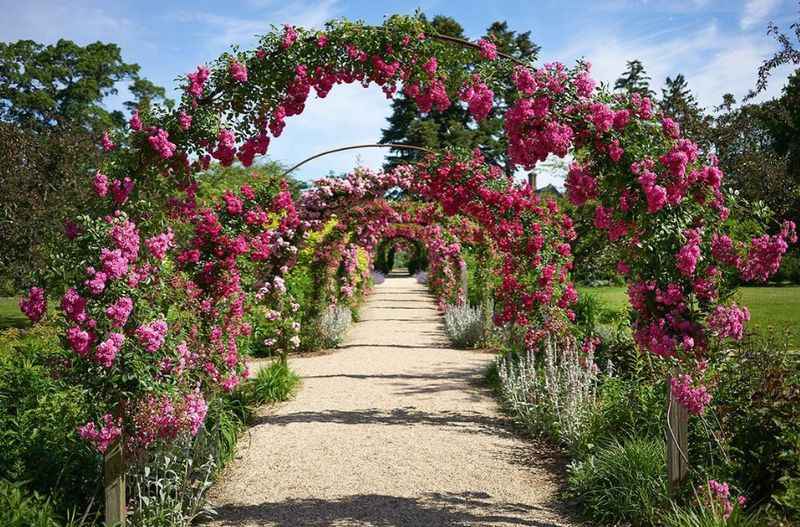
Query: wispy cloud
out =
(49, 20)
(756, 11)
(713, 61)
(222, 30)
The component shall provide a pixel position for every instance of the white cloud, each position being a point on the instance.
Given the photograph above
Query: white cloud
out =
(757, 10)
(49, 20)
(713, 61)
(223, 30)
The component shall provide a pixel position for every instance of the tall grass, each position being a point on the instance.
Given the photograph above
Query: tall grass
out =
(624, 481)
(273, 384)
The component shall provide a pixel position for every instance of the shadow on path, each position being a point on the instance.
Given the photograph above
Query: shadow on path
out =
(428, 510)
(466, 422)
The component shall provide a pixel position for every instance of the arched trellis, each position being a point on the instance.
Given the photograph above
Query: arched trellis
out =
(650, 190)
(384, 261)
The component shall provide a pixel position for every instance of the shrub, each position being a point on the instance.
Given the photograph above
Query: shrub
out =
(554, 395)
(463, 324)
(332, 325)
(20, 509)
(623, 481)
(422, 277)
(378, 277)
(39, 416)
(757, 410)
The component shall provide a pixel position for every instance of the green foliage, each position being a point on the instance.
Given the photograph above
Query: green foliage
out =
(20, 509)
(628, 408)
(759, 150)
(790, 268)
(272, 384)
(623, 481)
(43, 181)
(39, 415)
(62, 82)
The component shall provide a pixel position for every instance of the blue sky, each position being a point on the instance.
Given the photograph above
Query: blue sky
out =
(716, 44)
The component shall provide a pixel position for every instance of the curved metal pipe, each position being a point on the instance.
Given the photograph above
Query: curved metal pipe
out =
(355, 147)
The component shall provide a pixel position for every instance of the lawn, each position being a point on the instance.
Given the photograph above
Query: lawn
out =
(10, 315)
(770, 307)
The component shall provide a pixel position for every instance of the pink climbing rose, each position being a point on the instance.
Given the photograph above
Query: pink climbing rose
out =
(152, 335)
(34, 304)
(107, 350)
(104, 435)
(160, 142)
(119, 311)
(238, 71)
(729, 321)
(488, 49)
(184, 121)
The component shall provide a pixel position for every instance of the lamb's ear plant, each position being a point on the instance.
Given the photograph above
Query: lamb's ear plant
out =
(552, 392)
(464, 325)
(333, 324)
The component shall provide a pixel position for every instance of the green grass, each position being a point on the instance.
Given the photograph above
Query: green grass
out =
(771, 308)
(10, 315)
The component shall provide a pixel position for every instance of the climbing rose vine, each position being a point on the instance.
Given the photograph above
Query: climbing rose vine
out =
(154, 290)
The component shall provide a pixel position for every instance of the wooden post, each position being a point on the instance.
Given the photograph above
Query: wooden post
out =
(462, 269)
(677, 435)
(114, 482)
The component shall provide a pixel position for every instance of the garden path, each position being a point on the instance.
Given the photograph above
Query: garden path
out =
(394, 428)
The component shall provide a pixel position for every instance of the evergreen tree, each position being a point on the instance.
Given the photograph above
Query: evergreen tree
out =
(145, 94)
(634, 80)
(408, 127)
(437, 130)
(678, 103)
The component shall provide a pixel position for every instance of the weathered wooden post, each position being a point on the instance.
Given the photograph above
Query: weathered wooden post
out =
(462, 269)
(677, 435)
(114, 482)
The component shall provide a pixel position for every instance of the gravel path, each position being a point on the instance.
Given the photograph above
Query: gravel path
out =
(392, 429)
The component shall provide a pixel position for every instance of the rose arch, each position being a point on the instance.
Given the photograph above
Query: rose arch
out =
(153, 289)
